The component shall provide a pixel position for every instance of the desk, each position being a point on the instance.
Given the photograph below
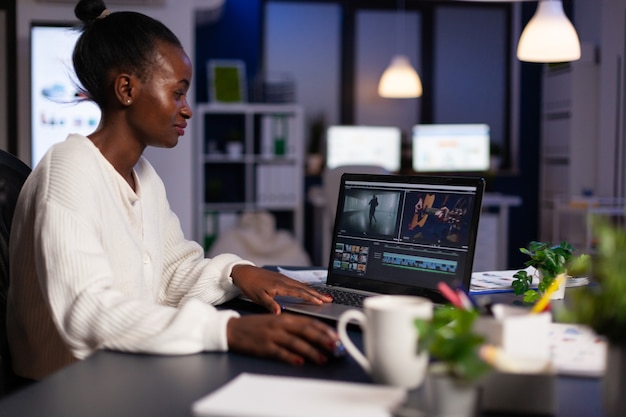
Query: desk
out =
(133, 385)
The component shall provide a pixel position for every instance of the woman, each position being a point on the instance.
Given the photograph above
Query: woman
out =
(99, 261)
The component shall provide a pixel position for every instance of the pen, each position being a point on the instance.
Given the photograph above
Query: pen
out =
(545, 299)
(466, 300)
(449, 294)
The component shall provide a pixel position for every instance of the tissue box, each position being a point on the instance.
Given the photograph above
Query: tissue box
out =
(519, 394)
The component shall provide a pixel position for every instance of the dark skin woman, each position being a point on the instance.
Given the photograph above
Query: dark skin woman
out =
(137, 72)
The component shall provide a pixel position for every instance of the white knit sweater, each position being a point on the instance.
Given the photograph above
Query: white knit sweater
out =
(95, 265)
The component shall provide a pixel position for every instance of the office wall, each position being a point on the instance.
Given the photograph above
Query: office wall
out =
(236, 34)
(316, 29)
(174, 165)
(467, 90)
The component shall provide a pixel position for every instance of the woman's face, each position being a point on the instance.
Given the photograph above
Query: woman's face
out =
(159, 112)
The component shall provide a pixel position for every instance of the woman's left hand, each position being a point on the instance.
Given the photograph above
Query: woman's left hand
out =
(262, 285)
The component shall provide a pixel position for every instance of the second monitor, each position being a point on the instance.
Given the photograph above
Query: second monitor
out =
(364, 145)
(451, 148)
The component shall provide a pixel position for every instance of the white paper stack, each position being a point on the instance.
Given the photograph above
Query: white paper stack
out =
(251, 395)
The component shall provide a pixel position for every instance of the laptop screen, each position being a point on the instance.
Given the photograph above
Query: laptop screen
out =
(404, 234)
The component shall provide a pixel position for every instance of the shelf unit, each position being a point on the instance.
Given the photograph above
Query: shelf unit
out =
(263, 172)
(569, 133)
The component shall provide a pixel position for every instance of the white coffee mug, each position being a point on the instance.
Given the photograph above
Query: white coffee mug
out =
(390, 338)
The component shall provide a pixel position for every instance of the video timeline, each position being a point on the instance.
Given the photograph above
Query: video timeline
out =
(419, 262)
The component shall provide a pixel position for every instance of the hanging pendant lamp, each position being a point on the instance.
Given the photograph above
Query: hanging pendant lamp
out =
(400, 80)
(549, 36)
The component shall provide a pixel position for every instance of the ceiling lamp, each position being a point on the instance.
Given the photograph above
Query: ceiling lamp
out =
(400, 80)
(549, 36)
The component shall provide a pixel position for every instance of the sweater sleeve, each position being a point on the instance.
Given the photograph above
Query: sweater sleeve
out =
(90, 313)
(187, 274)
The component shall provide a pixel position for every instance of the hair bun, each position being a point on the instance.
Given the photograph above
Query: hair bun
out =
(89, 11)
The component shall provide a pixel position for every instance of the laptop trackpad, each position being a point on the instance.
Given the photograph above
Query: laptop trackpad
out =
(329, 311)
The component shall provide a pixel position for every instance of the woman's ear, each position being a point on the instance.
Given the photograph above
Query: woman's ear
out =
(124, 84)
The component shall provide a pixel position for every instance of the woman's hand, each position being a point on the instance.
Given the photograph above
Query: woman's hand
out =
(262, 285)
(290, 338)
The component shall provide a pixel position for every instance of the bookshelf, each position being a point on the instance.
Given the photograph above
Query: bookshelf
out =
(248, 157)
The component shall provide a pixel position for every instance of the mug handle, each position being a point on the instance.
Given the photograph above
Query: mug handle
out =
(359, 318)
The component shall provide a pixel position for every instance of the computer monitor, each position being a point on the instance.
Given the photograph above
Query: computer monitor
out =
(450, 148)
(364, 145)
(55, 108)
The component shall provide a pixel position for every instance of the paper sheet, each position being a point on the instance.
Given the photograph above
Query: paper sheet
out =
(500, 281)
(577, 350)
(308, 276)
(251, 395)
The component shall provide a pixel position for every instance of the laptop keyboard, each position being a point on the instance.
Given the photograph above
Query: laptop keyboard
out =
(343, 297)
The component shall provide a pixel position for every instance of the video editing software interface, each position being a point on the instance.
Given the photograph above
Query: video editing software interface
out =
(408, 234)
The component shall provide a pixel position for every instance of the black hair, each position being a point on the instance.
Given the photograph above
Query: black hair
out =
(121, 40)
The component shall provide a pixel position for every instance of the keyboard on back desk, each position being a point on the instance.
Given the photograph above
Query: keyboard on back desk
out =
(343, 297)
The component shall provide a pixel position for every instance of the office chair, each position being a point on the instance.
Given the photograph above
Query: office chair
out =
(13, 173)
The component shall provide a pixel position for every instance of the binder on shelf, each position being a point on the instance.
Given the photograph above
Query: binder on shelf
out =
(277, 135)
(276, 186)
(267, 150)
(280, 135)
(292, 134)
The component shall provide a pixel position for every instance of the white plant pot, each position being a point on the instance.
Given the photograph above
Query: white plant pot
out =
(448, 397)
(559, 294)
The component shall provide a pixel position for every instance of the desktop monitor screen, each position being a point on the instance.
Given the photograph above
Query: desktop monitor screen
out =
(451, 148)
(363, 145)
(55, 110)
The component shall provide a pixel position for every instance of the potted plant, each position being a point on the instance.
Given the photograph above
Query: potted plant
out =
(603, 308)
(549, 261)
(453, 345)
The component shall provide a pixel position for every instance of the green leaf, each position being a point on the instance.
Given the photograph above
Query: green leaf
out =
(531, 296)
(449, 339)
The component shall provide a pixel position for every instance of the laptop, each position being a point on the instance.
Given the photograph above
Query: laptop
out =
(399, 234)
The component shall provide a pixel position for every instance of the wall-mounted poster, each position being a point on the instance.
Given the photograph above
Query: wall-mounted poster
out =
(227, 81)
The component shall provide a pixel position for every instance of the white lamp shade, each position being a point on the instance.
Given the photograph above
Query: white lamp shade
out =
(549, 36)
(400, 80)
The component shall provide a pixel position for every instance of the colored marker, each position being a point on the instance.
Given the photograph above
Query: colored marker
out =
(449, 294)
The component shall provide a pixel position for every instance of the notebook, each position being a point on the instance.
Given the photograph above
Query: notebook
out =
(399, 234)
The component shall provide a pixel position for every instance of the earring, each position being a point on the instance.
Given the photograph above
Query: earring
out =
(128, 101)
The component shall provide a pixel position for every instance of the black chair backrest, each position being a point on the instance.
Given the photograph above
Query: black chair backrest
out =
(13, 173)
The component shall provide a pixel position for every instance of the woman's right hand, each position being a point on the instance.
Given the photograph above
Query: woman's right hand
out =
(287, 337)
